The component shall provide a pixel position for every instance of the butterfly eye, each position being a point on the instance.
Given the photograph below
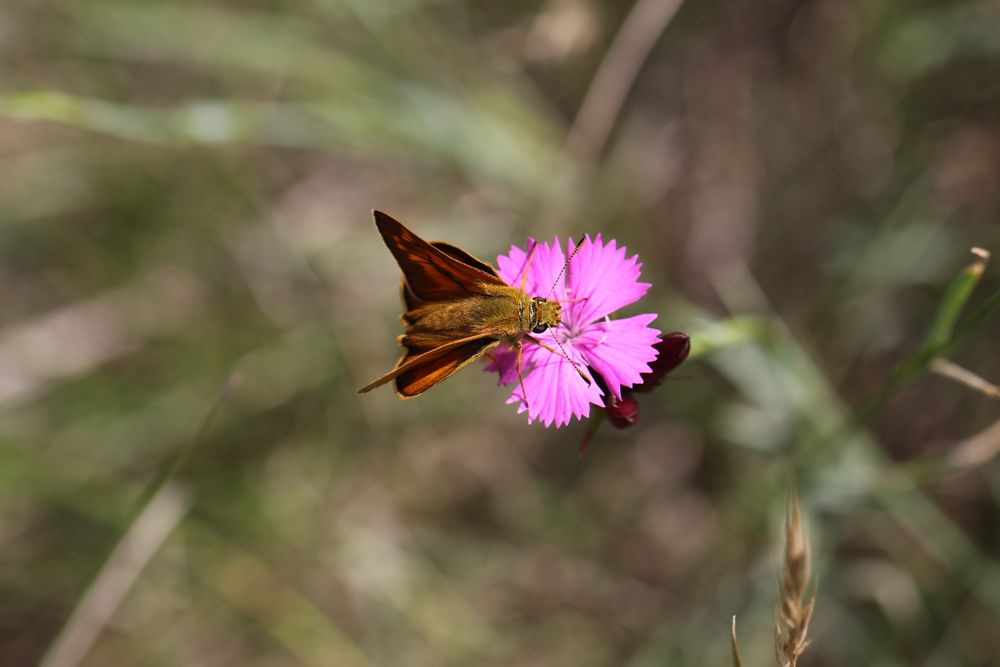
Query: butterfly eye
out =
(539, 299)
(540, 328)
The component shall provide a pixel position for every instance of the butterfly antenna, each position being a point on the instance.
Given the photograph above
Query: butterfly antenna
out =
(576, 366)
(527, 264)
(579, 244)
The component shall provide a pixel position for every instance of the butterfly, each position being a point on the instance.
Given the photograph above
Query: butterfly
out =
(456, 310)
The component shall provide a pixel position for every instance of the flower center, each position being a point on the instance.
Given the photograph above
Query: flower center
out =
(567, 333)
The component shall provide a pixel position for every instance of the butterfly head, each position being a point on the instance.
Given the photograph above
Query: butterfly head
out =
(545, 314)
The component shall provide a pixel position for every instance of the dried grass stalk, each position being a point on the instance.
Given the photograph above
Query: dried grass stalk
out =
(791, 626)
(737, 660)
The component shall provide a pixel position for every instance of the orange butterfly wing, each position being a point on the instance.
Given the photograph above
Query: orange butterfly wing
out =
(412, 302)
(433, 272)
(464, 257)
(415, 374)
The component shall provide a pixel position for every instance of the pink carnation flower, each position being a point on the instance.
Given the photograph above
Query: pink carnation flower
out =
(604, 280)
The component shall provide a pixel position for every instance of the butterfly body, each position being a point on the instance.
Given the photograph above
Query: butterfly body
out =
(457, 310)
(504, 312)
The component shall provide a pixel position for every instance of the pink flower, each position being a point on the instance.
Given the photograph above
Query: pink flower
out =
(603, 280)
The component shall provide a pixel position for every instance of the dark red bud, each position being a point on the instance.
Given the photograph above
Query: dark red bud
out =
(672, 350)
(623, 412)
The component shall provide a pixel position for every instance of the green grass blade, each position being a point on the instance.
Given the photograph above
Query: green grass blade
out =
(954, 302)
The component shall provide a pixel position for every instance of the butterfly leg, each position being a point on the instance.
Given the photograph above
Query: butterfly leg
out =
(576, 366)
(520, 378)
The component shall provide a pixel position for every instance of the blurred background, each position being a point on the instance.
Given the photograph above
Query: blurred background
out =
(191, 291)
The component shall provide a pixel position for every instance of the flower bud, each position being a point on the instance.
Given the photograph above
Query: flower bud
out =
(623, 412)
(672, 350)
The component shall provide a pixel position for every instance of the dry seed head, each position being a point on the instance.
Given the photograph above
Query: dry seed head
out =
(791, 626)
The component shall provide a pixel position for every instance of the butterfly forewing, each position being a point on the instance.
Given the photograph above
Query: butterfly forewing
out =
(465, 258)
(431, 273)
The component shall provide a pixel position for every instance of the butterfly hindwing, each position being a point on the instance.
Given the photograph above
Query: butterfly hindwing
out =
(419, 370)
(426, 370)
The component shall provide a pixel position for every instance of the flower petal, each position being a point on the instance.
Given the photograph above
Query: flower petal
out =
(620, 350)
(546, 262)
(555, 390)
(605, 277)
